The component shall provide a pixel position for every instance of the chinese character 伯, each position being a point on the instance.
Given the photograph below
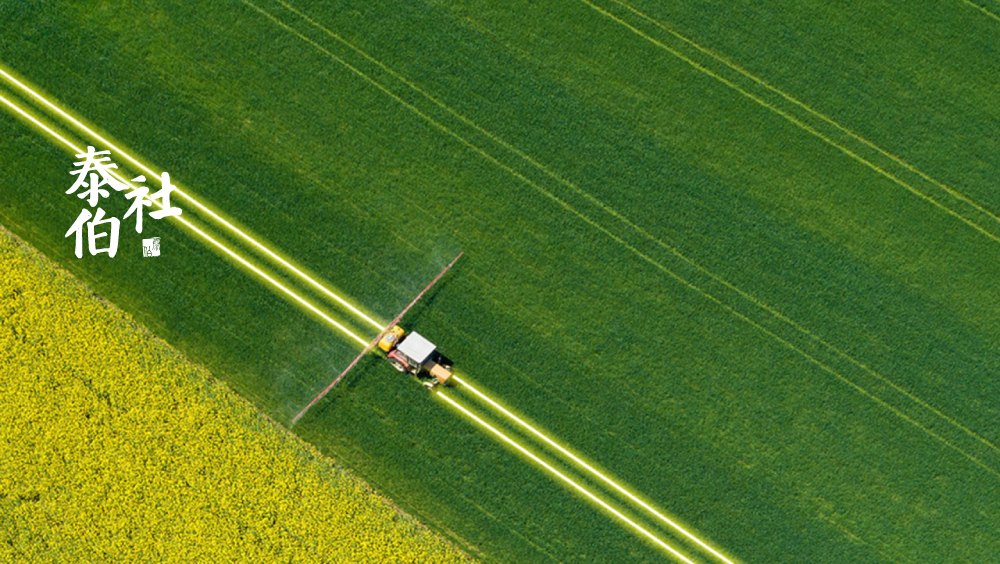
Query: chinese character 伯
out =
(93, 223)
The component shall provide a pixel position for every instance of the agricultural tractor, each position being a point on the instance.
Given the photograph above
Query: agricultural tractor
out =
(411, 353)
(414, 354)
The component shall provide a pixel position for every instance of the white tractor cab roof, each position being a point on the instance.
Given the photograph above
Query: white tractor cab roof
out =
(416, 348)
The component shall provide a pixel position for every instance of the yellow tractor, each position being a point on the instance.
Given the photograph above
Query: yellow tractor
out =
(414, 354)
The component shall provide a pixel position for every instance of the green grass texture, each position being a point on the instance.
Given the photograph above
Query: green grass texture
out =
(743, 257)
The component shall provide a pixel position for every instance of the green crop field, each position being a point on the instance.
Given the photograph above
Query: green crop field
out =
(742, 256)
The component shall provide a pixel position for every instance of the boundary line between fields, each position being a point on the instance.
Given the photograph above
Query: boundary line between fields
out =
(260, 272)
(316, 311)
(198, 231)
(119, 151)
(617, 215)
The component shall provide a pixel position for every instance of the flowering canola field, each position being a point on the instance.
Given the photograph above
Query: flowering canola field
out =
(115, 446)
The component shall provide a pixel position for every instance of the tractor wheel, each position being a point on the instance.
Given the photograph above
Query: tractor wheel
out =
(397, 365)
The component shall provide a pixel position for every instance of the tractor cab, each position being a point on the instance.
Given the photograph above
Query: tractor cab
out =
(414, 354)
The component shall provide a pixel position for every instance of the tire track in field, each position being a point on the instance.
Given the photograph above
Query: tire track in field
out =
(587, 467)
(981, 9)
(795, 490)
(195, 229)
(900, 172)
(191, 226)
(182, 192)
(574, 482)
(866, 381)
(498, 163)
(267, 276)
(728, 62)
(141, 164)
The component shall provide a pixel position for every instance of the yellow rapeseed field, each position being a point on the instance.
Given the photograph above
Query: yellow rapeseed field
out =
(144, 456)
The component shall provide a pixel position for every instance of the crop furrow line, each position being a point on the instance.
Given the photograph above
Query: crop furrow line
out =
(769, 87)
(853, 145)
(572, 198)
(982, 9)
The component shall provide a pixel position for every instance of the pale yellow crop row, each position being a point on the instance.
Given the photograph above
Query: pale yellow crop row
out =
(114, 447)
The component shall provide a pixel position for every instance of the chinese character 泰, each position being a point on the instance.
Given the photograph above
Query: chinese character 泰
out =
(93, 172)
